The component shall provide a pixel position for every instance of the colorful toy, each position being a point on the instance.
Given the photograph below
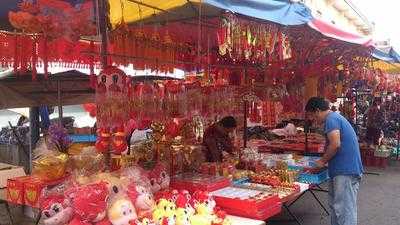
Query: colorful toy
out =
(159, 178)
(142, 198)
(182, 217)
(121, 211)
(56, 210)
(89, 203)
(114, 184)
(206, 198)
(183, 203)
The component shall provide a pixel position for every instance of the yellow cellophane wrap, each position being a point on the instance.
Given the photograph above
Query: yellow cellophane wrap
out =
(51, 166)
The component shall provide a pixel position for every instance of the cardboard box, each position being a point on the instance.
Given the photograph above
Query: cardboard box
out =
(8, 171)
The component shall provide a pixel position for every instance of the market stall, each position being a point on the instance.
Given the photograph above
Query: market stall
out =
(239, 60)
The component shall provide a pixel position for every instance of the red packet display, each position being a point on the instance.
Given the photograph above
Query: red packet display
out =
(15, 190)
(199, 182)
(247, 203)
(32, 191)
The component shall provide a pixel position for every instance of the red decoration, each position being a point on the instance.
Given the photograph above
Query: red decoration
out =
(103, 140)
(119, 143)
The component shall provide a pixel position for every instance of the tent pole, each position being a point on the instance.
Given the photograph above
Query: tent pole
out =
(102, 27)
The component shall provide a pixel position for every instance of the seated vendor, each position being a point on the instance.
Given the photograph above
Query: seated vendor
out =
(217, 142)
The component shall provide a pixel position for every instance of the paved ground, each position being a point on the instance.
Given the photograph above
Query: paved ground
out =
(379, 203)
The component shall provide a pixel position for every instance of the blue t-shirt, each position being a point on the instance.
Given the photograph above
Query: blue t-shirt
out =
(347, 160)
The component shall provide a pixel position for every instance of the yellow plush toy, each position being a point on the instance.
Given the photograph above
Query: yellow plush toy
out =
(158, 215)
(203, 216)
(182, 217)
(166, 207)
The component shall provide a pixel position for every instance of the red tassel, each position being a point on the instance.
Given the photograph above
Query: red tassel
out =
(45, 59)
(34, 60)
(24, 54)
(91, 65)
(16, 58)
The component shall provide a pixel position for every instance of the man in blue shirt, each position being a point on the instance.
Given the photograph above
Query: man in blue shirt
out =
(342, 154)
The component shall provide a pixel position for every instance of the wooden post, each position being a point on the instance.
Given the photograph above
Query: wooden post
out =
(245, 114)
(35, 132)
(102, 27)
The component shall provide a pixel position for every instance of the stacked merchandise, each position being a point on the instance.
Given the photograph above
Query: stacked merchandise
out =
(249, 203)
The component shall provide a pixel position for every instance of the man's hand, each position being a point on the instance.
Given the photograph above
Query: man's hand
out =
(320, 164)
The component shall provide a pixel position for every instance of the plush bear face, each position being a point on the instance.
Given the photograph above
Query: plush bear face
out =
(122, 212)
(56, 211)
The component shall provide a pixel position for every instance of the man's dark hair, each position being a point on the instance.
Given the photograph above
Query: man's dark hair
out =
(317, 104)
(228, 122)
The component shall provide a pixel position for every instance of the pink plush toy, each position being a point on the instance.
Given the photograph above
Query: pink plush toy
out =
(142, 199)
(56, 210)
(159, 178)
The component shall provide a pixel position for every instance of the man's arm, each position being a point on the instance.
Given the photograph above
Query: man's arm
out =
(331, 149)
(213, 152)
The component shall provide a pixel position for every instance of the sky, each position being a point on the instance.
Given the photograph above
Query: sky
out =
(386, 16)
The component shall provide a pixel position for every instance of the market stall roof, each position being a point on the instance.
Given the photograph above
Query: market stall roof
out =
(284, 12)
(332, 31)
(387, 67)
(388, 55)
(21, 91)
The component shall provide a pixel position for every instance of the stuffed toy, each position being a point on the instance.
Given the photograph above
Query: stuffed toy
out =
(89, 203)
(121, 210)
(167, 207)
(113, 182)
(142, 199)
(159, 178)
(166, 194)
(158, 215)
(183, 204)
(202, 217)
(56, 210)
(221, 219)
(206, 198)
(182, 217)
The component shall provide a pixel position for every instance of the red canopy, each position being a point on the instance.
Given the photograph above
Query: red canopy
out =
(332, 31)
